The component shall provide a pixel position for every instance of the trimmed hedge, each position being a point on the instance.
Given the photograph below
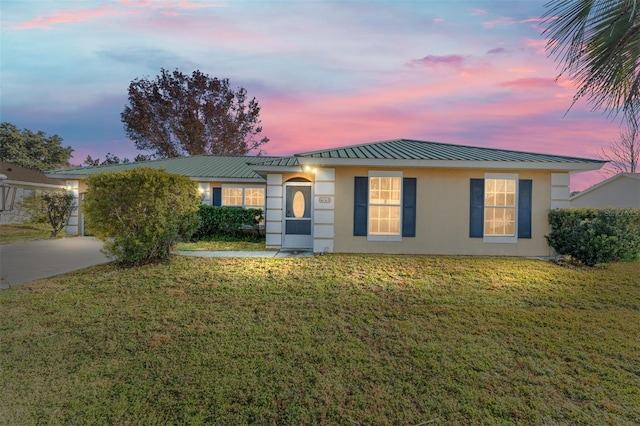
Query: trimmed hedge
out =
(594, 236)
(217, 220)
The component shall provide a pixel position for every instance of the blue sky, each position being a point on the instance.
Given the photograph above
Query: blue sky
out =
(326, 73)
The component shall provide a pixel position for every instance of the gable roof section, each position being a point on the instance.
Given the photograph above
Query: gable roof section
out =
(605, 182)
(15, 173)
(408, 152)
(198, 167)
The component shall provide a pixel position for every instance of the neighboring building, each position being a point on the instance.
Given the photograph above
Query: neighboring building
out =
(26, 182)
(621, 191)
(399, 196)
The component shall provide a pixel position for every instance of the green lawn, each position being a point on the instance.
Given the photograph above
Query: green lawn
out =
(25, 232)
(221, 246)
(333, 339)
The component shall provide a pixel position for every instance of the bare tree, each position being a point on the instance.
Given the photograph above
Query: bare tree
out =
(623, 155)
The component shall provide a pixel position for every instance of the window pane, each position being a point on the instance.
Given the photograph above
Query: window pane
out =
(374, 197)
(384, 220)
(232, 196)
(254, 197)
(510, 200)
(499, 221)
(490, 199)
(384, 190)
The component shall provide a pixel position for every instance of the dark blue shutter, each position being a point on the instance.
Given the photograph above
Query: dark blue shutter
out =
(216, 194)
(409, 207)
(524, 208)
(476, 214)
(360, 206)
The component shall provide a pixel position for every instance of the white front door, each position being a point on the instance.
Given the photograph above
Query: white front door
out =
(297, 220)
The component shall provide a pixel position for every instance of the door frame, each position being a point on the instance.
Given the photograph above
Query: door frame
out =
(297, 242)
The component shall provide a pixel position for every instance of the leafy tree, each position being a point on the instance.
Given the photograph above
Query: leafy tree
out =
(113, 159)
(598, 42)
(59, 208)
(141, 213)
(32, 150)
(623, 155)
(178, 114)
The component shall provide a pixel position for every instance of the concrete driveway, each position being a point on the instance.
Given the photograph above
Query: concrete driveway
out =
(24, 262)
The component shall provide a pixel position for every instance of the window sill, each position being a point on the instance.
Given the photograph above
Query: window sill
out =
(500, 240)
(384, 237)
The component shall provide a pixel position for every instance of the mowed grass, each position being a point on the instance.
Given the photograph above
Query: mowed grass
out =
(220, 245)
(336, 339)
(23, 232)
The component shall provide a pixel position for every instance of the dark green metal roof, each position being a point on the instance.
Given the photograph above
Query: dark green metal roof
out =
(197, 166)
(278, 162)
(397, 152)
(408, 149)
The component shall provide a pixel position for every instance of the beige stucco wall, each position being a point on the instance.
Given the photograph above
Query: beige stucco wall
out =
(623, 192)
(442, 218)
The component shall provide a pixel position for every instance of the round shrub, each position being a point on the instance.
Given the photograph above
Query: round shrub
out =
(594, 236)
(142, 213)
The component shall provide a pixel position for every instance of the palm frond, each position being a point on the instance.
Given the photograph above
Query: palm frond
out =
(598, 44)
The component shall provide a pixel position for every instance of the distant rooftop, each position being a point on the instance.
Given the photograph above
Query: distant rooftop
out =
(197, 166)
(16, 173)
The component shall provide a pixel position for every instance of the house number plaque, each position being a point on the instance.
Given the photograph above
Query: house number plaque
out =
(324, 200)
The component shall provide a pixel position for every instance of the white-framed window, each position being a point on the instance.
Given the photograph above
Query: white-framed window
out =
(500, 207)
(385, 206)
(243, 196)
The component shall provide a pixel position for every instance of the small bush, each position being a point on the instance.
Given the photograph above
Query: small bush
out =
(35, 207)
(594, 236)
(142, 213)
(227, 221)
(59, 208)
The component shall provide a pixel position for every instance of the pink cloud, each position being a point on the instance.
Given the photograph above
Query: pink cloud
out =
(497, 51)
(74, 16)
(506, 20)
(169, 4)
(529, 83)
(435, 60)
(65, 16)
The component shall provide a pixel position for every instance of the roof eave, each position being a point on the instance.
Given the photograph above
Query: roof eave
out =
(261, 169)
(32, 184)
(454, 164)
(66, 176)
(257, 179)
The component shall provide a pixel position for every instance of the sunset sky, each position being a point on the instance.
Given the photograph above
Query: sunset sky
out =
(326, 73)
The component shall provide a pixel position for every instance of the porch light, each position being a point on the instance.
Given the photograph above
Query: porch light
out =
(309, 169)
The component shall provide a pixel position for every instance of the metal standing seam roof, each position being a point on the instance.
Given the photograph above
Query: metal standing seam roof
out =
(408, 149)
(278, 162)
(241, 167)
(197, 166)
